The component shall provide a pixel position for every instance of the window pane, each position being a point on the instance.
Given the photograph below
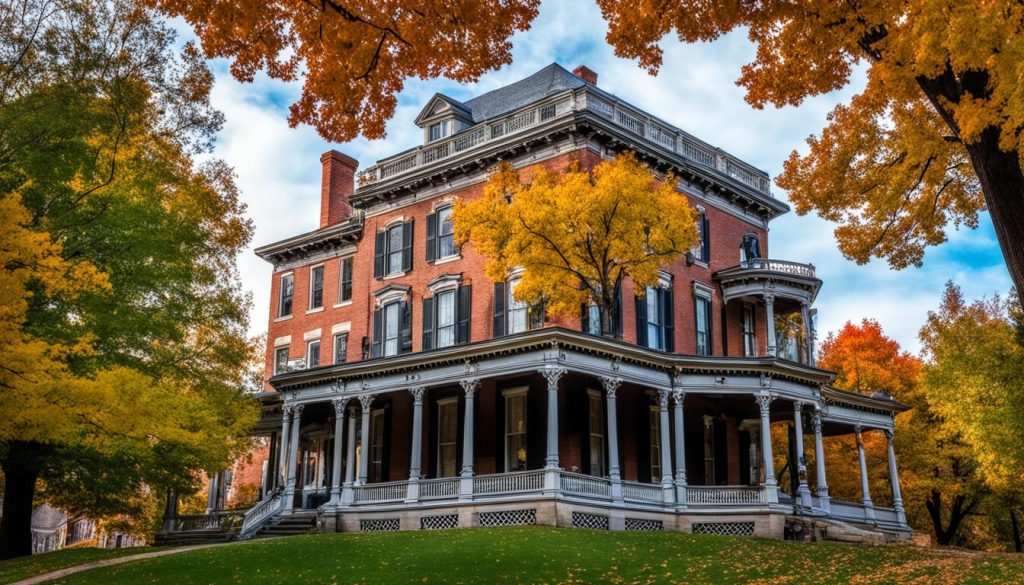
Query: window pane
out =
(445, 235)
(596, 436)
(316, 291)
(703, 307)
(515, 432)
(445, 319)
(340, 348)
(287, 285)
(313, 354)
(448, 425)
(395, 249)
(517, 312)
(593, 320)
(377, 446)
(391, 325)
(345, 290)
(655, 445)
(281, 360)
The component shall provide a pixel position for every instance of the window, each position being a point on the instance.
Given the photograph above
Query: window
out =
(512, 316)
(392, 253)
(703, 310)
(655, 424)
(345, 286)
(340, 348)
(395, 249)
(749, 334)
(377, 445)
(750, 249)
(596, 433)
(702, 251)
(593, 325)
(447, 436)
(284, 306)
(515, 430)
(446, 315)
(280, 360)
(314, 470)
(437, 131)
(313, 353)
(392, 322)
(392, 332)
(654, 322)
(316, 287)
(445, 318)
(709, 451)
(654, 314)
(445, 234)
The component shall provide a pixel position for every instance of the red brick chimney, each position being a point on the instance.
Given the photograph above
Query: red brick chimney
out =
(586, 74)
(336, 186)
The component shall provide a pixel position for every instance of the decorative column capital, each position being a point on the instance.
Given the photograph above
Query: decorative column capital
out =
(663, 396)
(417, 394)
(611, 385)
(470, 386)
(297, 410)
(769, 298)
(765, 402)
(888, 435)
(365, 401)
(678, 396)
(553, 375)
(339, 406)
(798, 407)
(286, 410)
(816, 422)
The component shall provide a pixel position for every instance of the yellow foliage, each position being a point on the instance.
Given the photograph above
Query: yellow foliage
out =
(578, 235)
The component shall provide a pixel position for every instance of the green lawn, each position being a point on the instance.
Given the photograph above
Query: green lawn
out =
(548, 555)
(23, 568)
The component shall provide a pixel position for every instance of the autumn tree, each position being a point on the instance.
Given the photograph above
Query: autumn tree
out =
(578, 234)
(124, 331)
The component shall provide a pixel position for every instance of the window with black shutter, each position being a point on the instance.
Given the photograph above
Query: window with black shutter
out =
(393, 250)
(446, 318)
(655, 321)
(345, 286)
(392, 329)
(441, 235)
(702, 308)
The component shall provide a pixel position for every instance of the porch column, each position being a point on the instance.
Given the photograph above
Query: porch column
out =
(170, 513)
(364, 439)
(551, 463)
(211, 493)
(869, 506)
(894, 477)
(798, 432)
(769, 307)
(280, 472)
(339, 423)
(666, 447)
(293, 454)
(805, 315)
(819, 461)
(347, 493)
(770, 487)
(469, 386)
(611, 388)
(416, 452)
(678, 396)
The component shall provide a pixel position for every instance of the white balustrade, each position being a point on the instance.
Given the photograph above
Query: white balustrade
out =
(444, 487)
(643, 492)
(260, 513)
(508, 483)
(724, 495)
(577, 484)
(783, 266)
(394, 491)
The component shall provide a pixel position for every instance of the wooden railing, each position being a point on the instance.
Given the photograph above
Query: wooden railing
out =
(642, 492)
(394, 491)
(214, 521)
(724, 495)
(260, 513)
(576, 484)
(781, 266)
(508, 483)
(444, 487)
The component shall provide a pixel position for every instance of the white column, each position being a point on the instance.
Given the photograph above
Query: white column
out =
(293, 454)
(280, 473)
(347, 493)
(805, 315)
(469, 386)
(798, 432)
(771, 488)
(339, 422)
(211, 493)
(416, 452)
(869, 506)
(611, 388)
(678, 396)
(667, 487)
(551, 463)
(364, 440)
(769, 307)
(894, 477)
(819, 461)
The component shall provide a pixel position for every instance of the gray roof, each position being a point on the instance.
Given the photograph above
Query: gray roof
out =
(47, 518)
(548, 81)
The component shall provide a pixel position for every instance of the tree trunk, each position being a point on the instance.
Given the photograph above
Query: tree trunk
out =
(21, 469)
(1002, 183)
(605, 312)
(946, 536)
(1018, 545)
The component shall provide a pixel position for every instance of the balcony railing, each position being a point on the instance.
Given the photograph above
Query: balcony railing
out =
(445, 487)
(508, 483)
(642, 492)
(618, 113)
(781, 266)
(373, 493)
(725, 495)
(587, 486)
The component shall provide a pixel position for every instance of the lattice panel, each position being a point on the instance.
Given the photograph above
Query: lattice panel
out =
(592, 521)
(642, 525)
(725, 528)
(508, 518)
(379, 525)
(439, 522)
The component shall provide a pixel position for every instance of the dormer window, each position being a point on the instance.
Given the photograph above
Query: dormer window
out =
(437, 131)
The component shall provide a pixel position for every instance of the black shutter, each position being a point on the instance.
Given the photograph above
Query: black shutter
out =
(378, 333)
(668, 321)
(641, 321)
(617, 313)
(585, 317)
(407, 246)
(379, 252)
(499, 310)
(706, 230)
(405, 332)
(431, 237)
(428, 324)
(463, 312)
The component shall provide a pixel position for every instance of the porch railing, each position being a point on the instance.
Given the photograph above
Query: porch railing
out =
(445, 487)
(724, 495)
(588, 486)
(508, 483)
(394, 491)
(256, 516)
(781, 266)
(642, 492)
(214, 521)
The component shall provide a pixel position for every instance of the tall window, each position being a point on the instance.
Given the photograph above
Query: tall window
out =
(655, 339)
(314, 470)
(437, 131)
(655, 420)
(340, 348)
(280, 360)
(703, 310)
(395, 249)
(316, 287)
(515, 431)
(709, 451)
(654, 316)
(702, 251)
(596, 417)
(392, 252)
(447, 436)
(445, 234)
(377, 445)
(345, 284)
(284, 305)
(313, 353)
(593, 320)
(517, 310)
(445, 318)
(750, 249)
(392, 326)
(749, 334)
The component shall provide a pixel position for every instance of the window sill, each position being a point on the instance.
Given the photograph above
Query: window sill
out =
(343, 304)
(316, 310)
(448, 259)
(700, 263)
(285, 318)
(393, 276)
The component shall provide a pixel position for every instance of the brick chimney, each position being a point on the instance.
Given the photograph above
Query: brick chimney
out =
(586, 74)
(336, 186)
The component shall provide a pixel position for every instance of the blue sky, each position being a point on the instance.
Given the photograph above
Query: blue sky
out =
(279, 168)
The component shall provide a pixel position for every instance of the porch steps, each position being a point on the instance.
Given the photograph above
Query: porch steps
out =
(289, 525)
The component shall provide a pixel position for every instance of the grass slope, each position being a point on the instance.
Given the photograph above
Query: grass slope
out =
(25, 567)
(549, 555)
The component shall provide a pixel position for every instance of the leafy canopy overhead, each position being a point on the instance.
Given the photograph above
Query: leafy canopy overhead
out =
(578, 234)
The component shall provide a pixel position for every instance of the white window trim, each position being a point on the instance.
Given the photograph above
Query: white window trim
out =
(341, 274)
(280, 290)
(440, 403)
(600, 432)
(437, 234)
(341, 328)
(283, 340)
(311, 335)
(309, 345)
(512, 393)
(334, 346)
(309, 294)
(444, 283)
